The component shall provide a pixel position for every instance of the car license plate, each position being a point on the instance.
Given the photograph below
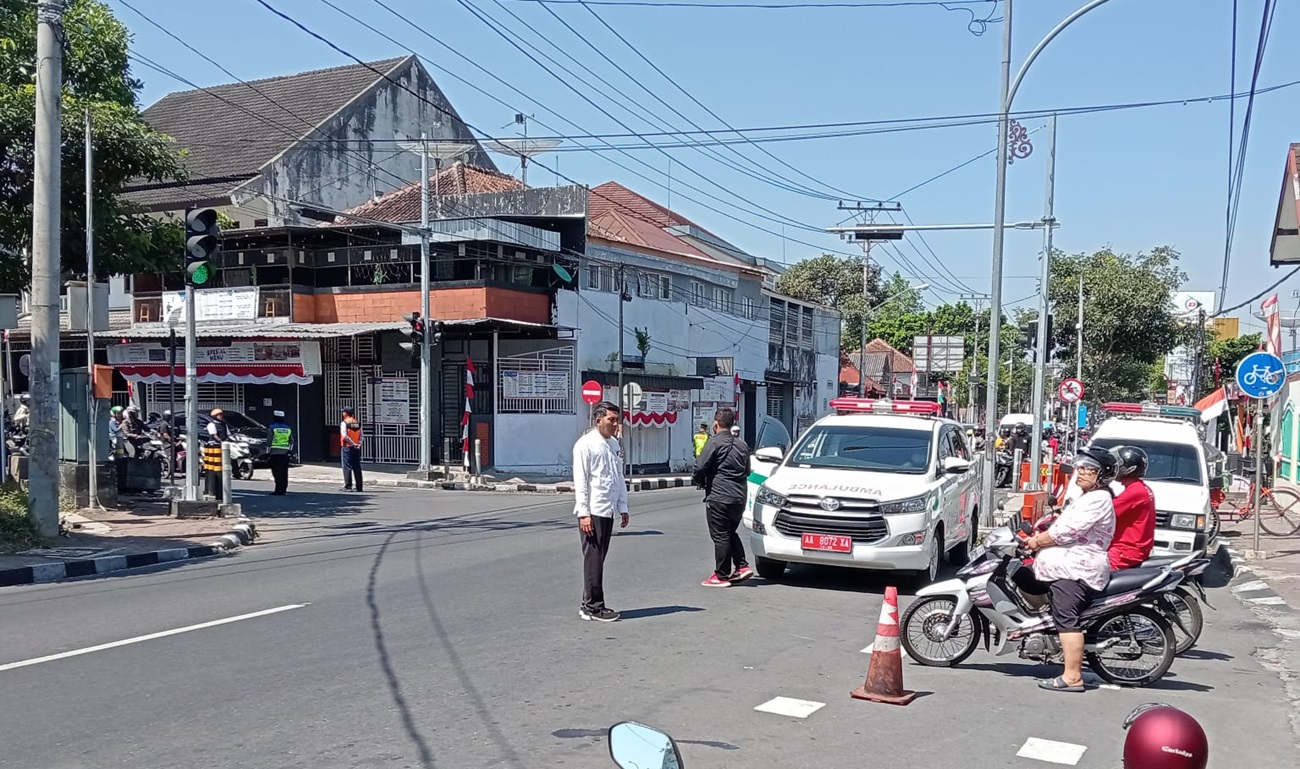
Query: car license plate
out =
(833, 543)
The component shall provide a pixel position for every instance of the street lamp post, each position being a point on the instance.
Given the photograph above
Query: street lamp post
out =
(1008, 95)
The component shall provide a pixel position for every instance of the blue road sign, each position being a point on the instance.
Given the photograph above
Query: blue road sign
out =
(1261, 375)
(1083, 415)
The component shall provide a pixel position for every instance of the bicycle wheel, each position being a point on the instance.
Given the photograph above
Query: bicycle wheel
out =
(1279, 512)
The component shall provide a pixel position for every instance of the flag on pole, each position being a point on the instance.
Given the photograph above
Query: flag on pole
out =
(1213, 405)
(913, 383)
(1273, 341)
(469, 408)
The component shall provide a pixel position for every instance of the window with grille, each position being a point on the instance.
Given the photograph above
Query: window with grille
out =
(593, 277)
(721, 299)
(806, 332)
(777, 315)
(751, 308)
(665, 288)
(644, 283)
(697, 293)
(542, 382)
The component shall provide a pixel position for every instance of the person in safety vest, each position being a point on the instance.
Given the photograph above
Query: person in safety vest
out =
(701, 438)
(350, 438)
(280, 438)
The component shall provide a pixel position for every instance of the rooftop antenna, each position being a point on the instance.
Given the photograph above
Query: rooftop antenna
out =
(522, 147)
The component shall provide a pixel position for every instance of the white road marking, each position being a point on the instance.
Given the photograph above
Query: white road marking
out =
(871, 647)
(1250, 587)
(149, 637)
(1051, 751)
(1268, 600)
(788, 706)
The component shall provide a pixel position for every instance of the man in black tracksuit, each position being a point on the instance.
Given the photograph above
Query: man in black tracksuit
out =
(722, 469)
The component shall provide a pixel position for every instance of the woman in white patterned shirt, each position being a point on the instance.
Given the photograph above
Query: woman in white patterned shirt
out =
(1070, 561)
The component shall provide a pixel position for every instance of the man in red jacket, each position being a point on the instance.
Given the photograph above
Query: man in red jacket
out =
(1135, 511)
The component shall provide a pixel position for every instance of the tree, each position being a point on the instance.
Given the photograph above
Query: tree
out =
(1128, 321)
(96, 76)
(836, 281)
(1223, 355)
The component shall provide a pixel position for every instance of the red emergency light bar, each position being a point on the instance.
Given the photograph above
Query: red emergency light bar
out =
(1153, 410)
(885, 406)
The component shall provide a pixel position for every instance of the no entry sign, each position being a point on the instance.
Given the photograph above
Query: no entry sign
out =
(592, 391)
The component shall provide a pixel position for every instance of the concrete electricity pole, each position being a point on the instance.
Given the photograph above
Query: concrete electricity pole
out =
(1044, 312)
(977, 302)
(869, 217)
(426, 352)
(43, 489)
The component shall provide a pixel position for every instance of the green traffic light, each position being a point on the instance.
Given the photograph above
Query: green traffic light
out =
(199, 274)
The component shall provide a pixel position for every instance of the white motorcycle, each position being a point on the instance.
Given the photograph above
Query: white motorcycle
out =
(1126, 640)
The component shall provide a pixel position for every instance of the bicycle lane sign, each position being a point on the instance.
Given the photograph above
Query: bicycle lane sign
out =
(1261, 375)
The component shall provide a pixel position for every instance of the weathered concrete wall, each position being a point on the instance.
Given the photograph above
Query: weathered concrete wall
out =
(352, 156)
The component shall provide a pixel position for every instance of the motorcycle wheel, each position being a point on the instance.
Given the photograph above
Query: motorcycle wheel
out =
(1212, 526)
(243, 471)
(1144, 652)
(164, 464)
(1189, 612)
(922, 627)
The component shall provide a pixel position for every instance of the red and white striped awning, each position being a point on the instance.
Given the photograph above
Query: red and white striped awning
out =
(227, 373)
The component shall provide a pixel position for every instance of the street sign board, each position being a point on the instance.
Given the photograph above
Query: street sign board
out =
(592, 391)
(1083, 415)
(631, 396)
(1261, 375)
(1071, 390)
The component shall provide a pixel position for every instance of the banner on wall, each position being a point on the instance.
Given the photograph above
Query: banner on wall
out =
(244, 362)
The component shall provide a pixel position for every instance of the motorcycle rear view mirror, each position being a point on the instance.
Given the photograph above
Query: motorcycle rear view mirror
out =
(637, 746)
(1067, 468)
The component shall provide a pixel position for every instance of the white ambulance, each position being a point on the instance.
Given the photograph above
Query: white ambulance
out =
(881, 484)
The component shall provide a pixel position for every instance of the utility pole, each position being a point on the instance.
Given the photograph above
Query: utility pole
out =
(43, 487)
(91, 404)
(995, 289)
(624, 402)
(868, 213)
(1044, 311)
(426, 351)
(977, 301)
(1078, 365)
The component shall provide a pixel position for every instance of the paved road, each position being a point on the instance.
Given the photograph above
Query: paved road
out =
(440, 629)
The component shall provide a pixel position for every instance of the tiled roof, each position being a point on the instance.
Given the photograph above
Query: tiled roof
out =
(232, 130)
(198, 120)
(616, 213)
(403, 205)
(878, 352)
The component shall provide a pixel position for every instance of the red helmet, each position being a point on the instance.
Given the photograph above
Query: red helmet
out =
(1164, 737)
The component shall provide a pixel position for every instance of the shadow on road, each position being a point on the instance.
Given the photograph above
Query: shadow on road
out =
(658, 611)
(1205, 654)
(850, 580)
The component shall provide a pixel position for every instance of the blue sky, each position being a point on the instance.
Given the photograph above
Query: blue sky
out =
(1130, 179)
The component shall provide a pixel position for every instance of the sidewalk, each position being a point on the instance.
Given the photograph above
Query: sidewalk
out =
(1276, 574)
(394, 476)
(102, 541)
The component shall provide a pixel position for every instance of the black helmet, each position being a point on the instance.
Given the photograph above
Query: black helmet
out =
(1130, 461)
(1103, 460)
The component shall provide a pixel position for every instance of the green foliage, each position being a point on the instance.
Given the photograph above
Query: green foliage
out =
(836, 281)
(96, 77)
(1128, 322)
(642, 341)
(17, 530)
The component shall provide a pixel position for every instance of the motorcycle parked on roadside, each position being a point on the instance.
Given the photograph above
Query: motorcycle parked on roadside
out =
(1126, 640)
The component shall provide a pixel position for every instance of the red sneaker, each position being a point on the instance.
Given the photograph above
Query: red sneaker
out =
(714, 581)
(741, 574)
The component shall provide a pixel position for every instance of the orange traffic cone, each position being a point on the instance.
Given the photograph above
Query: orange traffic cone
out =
(884, 681)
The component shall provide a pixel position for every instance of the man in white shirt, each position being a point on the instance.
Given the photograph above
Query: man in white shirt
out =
(600, 492)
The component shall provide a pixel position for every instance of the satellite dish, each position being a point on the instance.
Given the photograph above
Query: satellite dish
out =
(564, 274)
(25, 364)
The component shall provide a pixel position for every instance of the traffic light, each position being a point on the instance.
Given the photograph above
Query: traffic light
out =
(201, 241)
(414, 336)
(1030, 330)
(438, 328)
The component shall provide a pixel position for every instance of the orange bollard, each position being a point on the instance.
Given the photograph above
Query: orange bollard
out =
(884, 682)
(1034, 506)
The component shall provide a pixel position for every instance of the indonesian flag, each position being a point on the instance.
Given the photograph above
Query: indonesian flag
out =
(736, 392)
(1273, 341)
(1213, 405)
(469, 409)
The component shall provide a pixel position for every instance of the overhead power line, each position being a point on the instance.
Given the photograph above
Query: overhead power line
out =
(762, 6)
